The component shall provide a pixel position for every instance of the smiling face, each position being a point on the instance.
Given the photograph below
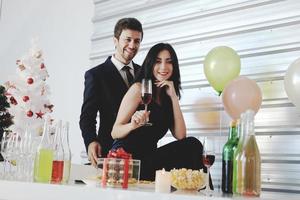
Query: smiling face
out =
(127, 45)
(163, 67)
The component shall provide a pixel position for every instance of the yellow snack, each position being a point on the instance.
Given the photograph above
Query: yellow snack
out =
(187, 179)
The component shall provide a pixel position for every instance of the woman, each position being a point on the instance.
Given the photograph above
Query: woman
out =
(161, 66)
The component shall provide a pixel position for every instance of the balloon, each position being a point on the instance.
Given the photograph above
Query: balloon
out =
(292, 83)
(240, 95)
(221, 65)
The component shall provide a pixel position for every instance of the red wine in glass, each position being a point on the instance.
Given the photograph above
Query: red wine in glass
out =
(147, 97)
(208, 160)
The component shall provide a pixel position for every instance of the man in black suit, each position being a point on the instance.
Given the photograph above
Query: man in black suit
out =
(105, 86)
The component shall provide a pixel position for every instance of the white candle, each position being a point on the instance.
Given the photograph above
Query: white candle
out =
(162, 181)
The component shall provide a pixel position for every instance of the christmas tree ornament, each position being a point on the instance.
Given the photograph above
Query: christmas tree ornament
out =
(42, 66)
(37, 54)
(29, 113)
(39, 115)
(49, 107)
(30, 81)
(25, 98)
(13, 101)
(21, 67)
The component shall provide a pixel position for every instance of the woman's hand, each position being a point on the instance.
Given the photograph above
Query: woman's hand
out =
(169, 87)
(139, 118)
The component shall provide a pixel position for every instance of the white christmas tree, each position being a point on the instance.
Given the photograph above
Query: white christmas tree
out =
(28, 92)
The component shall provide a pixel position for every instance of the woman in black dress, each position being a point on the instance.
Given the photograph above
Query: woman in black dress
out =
(161, 66)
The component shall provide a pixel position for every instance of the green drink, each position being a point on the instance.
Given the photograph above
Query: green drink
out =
(43, 166)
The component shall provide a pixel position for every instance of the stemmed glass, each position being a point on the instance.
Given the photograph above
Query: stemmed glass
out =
(4, 149)
(146, 96)
(208, 160)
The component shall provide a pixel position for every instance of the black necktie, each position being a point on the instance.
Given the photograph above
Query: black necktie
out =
(128, 74)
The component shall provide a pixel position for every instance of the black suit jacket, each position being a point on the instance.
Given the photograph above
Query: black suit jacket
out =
(103, 93)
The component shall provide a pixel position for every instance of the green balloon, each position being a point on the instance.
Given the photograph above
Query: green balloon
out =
(221, 65)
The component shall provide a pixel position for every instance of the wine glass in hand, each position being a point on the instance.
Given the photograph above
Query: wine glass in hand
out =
(146, 96)
(208, 160)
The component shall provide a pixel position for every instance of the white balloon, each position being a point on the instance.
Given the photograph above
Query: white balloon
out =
(292, 82)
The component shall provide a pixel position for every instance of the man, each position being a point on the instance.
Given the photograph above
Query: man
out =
(105, 86)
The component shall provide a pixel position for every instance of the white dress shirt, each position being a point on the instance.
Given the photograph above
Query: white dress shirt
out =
(119, 65)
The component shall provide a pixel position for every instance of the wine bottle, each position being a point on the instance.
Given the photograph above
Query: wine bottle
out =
(237, 163)
(247, 161)
(227, 158)
(67, 153)
(58, 160)
(252, 160)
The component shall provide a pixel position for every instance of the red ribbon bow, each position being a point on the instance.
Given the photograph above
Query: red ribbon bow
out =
(119, 153)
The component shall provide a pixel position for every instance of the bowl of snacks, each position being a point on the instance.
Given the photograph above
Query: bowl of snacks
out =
(187, 179)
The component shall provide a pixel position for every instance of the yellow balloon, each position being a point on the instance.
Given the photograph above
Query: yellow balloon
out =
(221, 65)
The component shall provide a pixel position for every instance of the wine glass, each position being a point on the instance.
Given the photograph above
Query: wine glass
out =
(208, 160)
(146, 96)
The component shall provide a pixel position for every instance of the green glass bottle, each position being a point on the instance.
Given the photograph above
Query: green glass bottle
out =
(237, 170)
(227, 157)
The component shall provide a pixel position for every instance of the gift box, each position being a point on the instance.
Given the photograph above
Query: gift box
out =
(119, 169)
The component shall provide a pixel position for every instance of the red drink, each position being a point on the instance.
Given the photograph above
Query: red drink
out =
(146, 97)
(57, 171)
(208, 160)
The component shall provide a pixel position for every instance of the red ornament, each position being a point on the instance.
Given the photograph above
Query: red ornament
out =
(42, 66)
(29, 113)
(30, 81)
(13, 101)
(25, 98)
(39, 115)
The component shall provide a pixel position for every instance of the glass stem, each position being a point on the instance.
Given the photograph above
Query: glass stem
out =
(146, 106)
(207, 180)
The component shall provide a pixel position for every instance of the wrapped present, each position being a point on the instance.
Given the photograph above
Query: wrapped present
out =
(119, 169)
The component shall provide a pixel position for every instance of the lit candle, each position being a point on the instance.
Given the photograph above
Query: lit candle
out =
(162, 181)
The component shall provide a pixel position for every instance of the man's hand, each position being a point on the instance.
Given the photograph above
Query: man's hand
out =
(94, 151)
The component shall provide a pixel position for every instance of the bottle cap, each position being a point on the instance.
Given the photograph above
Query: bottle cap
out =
(233, 123)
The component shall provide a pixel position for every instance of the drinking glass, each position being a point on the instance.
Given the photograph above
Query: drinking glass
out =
(208, 160)
(4, 149)
(146, 96)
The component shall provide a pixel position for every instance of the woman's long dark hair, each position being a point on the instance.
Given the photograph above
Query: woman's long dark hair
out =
(147, 72)
(150, 61)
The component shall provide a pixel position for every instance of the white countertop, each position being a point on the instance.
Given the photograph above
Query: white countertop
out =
(11, 190)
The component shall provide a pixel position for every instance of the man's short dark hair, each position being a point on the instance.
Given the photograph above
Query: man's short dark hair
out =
(127, 23)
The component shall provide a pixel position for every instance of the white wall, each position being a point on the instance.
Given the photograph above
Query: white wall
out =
(64, 29)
